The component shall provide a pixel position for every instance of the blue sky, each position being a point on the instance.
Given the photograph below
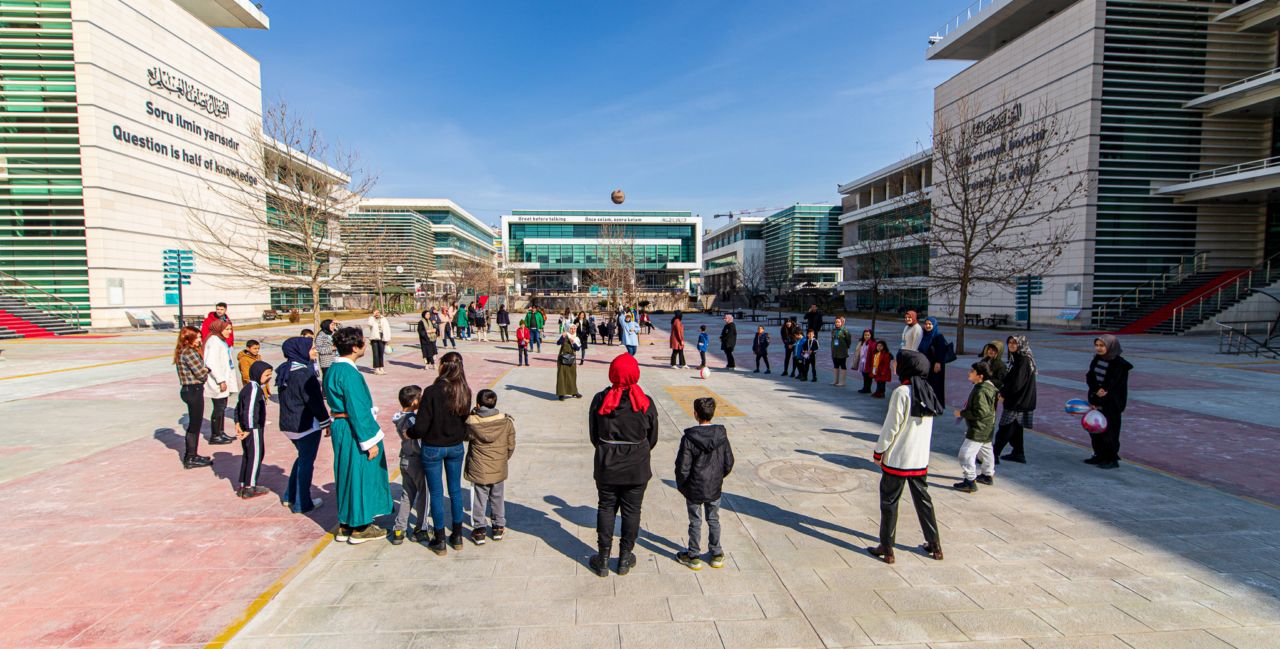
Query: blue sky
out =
(702, 106)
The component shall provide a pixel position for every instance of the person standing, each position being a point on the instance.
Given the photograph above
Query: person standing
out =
(1019, 396)
(492, 442)
(623, 428)
(219, 313)
(325, 351)
(786, 336)
(609, 328)
(1108, 381)
(979, 415)
(704, 343)
(580, 326)
(729, 340)
(911, 333)
(629, 332)
(359, 459)
(441, 428)
(760, 347)
(593, 328)
(427, 341)
(703, 460)
(813, 320)
(379, 338)
(864, 354)
(903, 455)
(677, 341)
(807, 355)
(566, 365)
(993, 354)
(251, 419)
(841, 341)
(192, 374)
(504, 322)
(463, 321)
(304, 419)
(939, 352)
(448, 332)
(522, 345)
(223, 379)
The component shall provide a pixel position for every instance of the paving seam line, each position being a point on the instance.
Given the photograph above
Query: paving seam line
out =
(260, 602)
(84, 367)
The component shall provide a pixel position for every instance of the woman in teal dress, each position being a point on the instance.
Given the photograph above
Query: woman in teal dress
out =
(359, 459)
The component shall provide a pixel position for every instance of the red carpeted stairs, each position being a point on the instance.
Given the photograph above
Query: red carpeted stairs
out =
(23, 328)
(1152, 320)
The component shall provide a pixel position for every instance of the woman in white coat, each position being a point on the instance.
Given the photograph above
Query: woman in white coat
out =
(379, 338)
(224, 378)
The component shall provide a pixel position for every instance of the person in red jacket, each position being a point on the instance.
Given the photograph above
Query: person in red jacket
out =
(677, 340)
(522, 343)
(881, 369)
(219, 312)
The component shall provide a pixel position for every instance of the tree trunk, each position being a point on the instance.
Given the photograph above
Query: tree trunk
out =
(875, 310)
(964, 298)
(315, 306)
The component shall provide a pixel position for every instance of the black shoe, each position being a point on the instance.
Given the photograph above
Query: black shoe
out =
(967, 486)
(1093, 460)
(1109, 465)
(195, 462)
(864, 391)
(220, 439)
(562, 397)
(756, 372)
(626, 562)
(768, 372)
(599, 564)
(437, 544)
(396, 537)
(1020, 458)
(455, 538)
(577, 396)
(985, 479)
(421, 536)
(811, 380)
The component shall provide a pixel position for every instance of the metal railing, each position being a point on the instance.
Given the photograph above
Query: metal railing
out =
(1229, 170)
(1197, 309)
(1248, 338)
(39, 298)
(963, 17)
(1249, 78)
(1187, 265)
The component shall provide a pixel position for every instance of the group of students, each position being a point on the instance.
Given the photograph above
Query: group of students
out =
(440, 327)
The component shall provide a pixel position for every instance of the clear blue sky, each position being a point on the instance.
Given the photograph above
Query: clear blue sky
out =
(702, 106)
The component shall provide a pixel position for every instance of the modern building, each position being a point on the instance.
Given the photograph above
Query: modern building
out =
(801, 248)
(1171, 106)
(885, 263)
(411, 262)
(446, 239)
(733, 257)
(564, 251)
(114, 113)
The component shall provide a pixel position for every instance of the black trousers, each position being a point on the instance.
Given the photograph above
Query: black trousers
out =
(218, 417)
(503, 330)
(787, 352)
(193, 396)
(251, 463)
(728, 353)
(702, 359)
(677, 357)
(866, 382)
(763, 357)
(522, 358)
(628, 498)
(1106, 445)
(1009, 435)
(379, 350)
(808, 365)
(890, 492)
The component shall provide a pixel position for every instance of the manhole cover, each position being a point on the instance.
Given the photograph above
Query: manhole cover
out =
(811, 477)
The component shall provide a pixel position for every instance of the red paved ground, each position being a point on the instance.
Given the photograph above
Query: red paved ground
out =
(127, 549)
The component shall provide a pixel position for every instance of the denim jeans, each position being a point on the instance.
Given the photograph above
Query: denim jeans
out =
(441, 463)
(712, 512)
(631, 349)
(298, 493)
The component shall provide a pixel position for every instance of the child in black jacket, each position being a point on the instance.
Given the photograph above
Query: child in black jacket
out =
(251, 417)
(704, 459)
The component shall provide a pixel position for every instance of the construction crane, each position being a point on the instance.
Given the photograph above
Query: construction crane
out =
(756, 210)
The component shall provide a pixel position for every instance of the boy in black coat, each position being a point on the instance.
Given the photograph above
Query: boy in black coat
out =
(251, 417)
(703, 461)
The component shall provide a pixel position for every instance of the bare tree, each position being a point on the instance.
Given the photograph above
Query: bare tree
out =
(372, 254)
(619, 273)
(470, 274)
(881, 260)
(1002, 181)
(748, 279)
(273, 218)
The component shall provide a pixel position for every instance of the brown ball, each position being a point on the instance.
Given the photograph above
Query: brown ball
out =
(618, 196)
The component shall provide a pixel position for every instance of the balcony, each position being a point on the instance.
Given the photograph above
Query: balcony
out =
(1244, 182)
(1258, 16)
(987, 25)
(227, 13)
(1252, 96)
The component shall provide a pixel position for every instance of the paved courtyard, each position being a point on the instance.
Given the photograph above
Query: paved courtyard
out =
(115, 545)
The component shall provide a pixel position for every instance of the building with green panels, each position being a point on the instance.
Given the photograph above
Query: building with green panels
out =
(564, 251)
(440, 236)
(801, 248)
(410, 263)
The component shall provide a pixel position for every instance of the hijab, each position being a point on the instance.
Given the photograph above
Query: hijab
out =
(257, 369)
(217, 327)
(927, 336)
(324, 326)
(1024, 348)
(913, 367)
(1112, 344)
(296, 350)
(624, 374)
(915, 318)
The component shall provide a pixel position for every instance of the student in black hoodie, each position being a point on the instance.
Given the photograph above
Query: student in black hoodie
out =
(1108, 380)
(704, 459)
(251, 417)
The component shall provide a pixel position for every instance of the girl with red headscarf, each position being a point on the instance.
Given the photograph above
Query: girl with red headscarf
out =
(623, 424)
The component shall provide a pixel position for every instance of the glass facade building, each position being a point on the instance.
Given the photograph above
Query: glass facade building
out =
(438, 235)
(801, 248)
(733, 255)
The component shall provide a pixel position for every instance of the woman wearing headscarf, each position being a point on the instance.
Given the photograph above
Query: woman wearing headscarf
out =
(325, 351)
(911, 333)
(623, 426)
(1108, 380)
(1019, 396)
(566, 365)
(934, 346)
(223, 379)
(440, 426)
(903, 454)
(863, 355)
(581, 327)
(427, 339)
(993, 354)
(677, 340)
(303, 416)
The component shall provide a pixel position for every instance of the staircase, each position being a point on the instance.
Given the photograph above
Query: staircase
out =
(19, 320)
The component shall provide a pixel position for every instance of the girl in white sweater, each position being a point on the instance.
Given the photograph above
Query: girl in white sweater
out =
(903, 454)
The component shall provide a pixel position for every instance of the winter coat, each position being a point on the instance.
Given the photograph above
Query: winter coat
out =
(251, 407)
(1115, 381)
(630, 332)
(807, 348)
(704, 341)
(979, 412)
(880, 367)
(492, 443)
(379, 329)
(813, 321)
(704, 459)
(217, 357)
(1019, 389)
(302, 408)
(245, 360)
(504, 318)
(903, 447)
(760, 344)
(998, 369)
(729, 337)
(436, 426)
(325, 351)
(209, 320)
(864, 352)
(522, 337)
(911, 335)
(841, 341)
(677, 333)
(624, 440)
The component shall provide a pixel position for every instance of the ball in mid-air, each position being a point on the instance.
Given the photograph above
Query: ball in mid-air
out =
(618, 196)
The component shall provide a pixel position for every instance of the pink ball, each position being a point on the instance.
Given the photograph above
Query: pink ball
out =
(705, 372)
(1094, 422)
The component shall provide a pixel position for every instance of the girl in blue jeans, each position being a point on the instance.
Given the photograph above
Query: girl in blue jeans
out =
(441, 429)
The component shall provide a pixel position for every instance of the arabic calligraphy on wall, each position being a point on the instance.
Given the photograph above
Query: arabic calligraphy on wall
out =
(158, 77)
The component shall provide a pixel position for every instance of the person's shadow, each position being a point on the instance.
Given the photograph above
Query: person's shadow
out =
(541, 394)
(846, 461)
(866, 437)
(551, 531)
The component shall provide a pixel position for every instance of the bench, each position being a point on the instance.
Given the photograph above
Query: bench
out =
(140, 319)
(995, 321)
(1069, 314)
(270, 314)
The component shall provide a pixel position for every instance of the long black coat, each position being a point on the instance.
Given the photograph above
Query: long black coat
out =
(1019, 389)
(729, 337)
(1115, 381)
(624, 440)
(704, 459)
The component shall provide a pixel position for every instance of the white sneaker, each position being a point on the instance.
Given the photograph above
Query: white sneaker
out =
(673, 367)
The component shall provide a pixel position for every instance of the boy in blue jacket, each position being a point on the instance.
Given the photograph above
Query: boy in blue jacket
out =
(703, 342)
(251, 417)
(807, 355)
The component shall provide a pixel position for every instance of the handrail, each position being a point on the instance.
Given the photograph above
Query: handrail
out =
(1172, 275)
(1252, 165)
(8, 282)
(961, 18)
(1264, 274)
(1237, 340)
(1249, 78)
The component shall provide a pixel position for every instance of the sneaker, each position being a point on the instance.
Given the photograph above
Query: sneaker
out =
(421, 536)
(1020, 458)
(396, 537)
(686, 559)
(966, 486)
(768, 371)
(985, 479)
(756, 372)
(717, 561)
(1093, 460)
(221, 439)
(478, 536)
(342, 534)
(1109, 465)
(252, 492)
(370, 533)
(599, 564)
(196, 462)
(498, 532)
(626, 563)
